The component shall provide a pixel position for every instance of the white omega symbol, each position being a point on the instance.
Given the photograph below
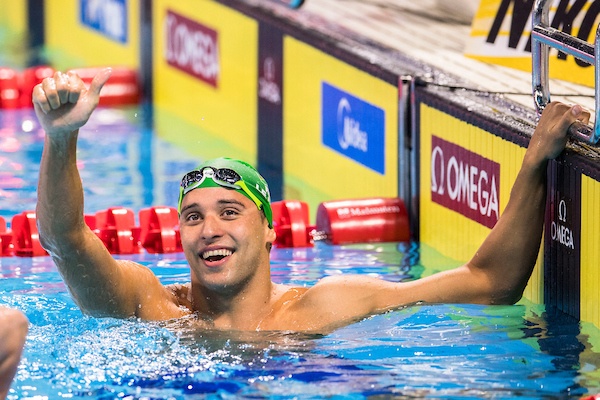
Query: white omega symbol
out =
(435, 154)
(562, 211)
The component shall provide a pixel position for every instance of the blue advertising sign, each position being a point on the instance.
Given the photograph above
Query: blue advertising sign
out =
(353, 127)
(108, 17)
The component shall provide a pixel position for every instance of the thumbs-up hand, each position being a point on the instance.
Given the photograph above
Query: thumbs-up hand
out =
(63, 103)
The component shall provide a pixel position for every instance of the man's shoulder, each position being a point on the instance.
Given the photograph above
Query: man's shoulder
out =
(182, 293)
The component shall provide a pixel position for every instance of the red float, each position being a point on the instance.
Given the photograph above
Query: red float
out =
(160, 230)
(363, 221)
(291, 224)
(9, 88)
(338, 222)
(26, 239)
(122, 88)
(28, 79)
(6, 245)
(116, 228)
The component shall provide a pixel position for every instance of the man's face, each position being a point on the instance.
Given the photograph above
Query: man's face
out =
(225, 238)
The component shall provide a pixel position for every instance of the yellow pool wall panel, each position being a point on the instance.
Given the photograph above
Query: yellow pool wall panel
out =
(314, 172)
(13, 17)
(216, 116)
(451, 233)
(14, 38)
(590, 251)
(72, 44)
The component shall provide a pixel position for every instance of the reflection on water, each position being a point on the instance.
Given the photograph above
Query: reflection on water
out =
(117, 158)
(422, 350)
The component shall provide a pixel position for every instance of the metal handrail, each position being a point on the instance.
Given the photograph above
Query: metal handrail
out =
(544, 36)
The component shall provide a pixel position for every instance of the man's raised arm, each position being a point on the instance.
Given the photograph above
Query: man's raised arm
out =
(509, 253)
(499, 270)
(99, 284)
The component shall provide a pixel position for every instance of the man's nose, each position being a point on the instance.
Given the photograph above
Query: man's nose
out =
(211, 227)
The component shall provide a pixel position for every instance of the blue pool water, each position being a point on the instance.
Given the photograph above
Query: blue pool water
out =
(437, 351)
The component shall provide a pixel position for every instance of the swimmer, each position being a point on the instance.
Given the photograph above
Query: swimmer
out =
(13, 330)
(227, 234)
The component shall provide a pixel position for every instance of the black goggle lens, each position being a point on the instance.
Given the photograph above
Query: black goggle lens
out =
(222, 174)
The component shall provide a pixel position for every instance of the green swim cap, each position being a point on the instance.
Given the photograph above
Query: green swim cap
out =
(232, 174)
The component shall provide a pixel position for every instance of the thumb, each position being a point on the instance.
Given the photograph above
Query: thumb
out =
(99, 80)
(581, 114)
(568, 115)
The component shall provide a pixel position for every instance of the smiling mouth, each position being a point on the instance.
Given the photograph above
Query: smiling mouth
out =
(216, 255)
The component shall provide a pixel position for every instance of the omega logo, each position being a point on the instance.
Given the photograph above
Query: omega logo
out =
(562, 211)
(267, 87)
(191, 47)
(464, 183)
(559, 232)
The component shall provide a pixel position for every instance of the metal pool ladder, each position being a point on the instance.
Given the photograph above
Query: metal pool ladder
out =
(542, 37)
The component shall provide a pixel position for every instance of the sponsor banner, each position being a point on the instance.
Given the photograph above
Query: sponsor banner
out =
(501, 34)
(270, 108)
(108, 17)
(353, 127)
(466, 174)
(192, 48)
(562, 239)
(562, 232)
(324, 160)
(465, 182)
(91, 33)
(205, 64)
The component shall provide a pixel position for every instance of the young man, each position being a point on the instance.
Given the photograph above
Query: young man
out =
(226, 234)
(13, 331)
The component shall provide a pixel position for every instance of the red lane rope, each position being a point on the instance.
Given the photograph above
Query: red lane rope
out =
(16, 86)
(338, 222)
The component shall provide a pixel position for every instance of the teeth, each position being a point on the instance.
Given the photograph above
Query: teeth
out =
(216, 253)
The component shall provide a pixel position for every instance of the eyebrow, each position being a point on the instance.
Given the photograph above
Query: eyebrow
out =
(231, 201)
(222, 202)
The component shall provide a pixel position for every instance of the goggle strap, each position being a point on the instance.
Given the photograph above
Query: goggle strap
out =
(246, 190)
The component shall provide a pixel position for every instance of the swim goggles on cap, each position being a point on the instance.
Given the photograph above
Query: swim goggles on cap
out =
(221, 176)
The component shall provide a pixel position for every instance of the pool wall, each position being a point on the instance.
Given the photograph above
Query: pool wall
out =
(88, 33)
(205, 78)
(14, 36)
(327, 114)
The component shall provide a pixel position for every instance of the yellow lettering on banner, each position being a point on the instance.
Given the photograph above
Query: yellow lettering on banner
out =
(501, 34)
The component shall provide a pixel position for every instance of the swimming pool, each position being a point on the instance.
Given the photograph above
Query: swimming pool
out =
(421, 351)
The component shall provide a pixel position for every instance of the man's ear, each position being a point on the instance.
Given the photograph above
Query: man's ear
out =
(271, 235)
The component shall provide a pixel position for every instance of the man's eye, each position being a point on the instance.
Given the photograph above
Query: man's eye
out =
(192, 217)
(230, 212)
